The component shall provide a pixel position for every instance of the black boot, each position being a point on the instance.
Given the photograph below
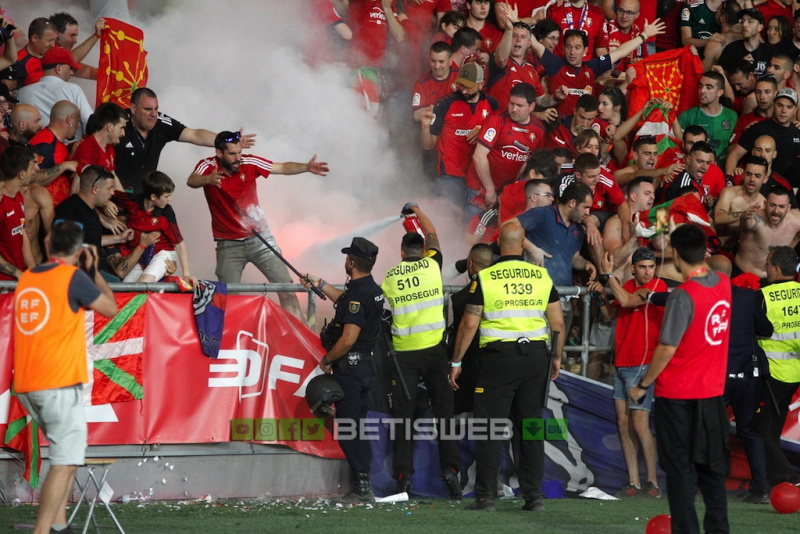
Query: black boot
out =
(360, 490)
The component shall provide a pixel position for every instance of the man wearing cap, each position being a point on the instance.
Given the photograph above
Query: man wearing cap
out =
(636, 337)
(453, 127)
(229, 184)
(509, 302)
(503, 146)
(55, 86)
(415, 294)
(782, 129)
(751, 45)
(350, 340)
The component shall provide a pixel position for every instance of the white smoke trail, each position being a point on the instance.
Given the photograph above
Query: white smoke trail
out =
(223, 65)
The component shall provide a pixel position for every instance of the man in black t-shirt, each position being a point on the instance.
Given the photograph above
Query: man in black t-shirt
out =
(97, 186)
(781, 128)
(147, 133)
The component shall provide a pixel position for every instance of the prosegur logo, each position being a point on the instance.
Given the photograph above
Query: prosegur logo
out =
(251, 368)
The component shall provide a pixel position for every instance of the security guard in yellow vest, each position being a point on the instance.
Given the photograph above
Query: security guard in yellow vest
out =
(414, 291)
(510, 302)
(781, 300)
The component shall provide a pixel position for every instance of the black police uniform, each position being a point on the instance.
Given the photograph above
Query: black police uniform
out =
(361, 304)
(462, 397)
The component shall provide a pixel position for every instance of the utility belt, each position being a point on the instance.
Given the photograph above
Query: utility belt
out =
(524, 346)
(743, 376)
(354, 358)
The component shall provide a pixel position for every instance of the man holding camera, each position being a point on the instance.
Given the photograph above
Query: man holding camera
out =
(350, 339)
(50, 357)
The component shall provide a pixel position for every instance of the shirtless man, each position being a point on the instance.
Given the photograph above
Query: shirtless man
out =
(736, 200)
(39, 213)
(618, 238)
(762, 227)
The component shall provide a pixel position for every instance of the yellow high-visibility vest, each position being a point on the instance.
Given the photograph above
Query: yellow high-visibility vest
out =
(515, 297)
(783, 348)
(414, 291)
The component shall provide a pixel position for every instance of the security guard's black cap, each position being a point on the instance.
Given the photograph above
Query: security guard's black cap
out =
(363, 248)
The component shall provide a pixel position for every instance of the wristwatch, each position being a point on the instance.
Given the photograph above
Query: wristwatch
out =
(641, 386)
(604, 278)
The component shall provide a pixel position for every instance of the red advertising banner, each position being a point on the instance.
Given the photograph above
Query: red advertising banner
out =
(266, 359)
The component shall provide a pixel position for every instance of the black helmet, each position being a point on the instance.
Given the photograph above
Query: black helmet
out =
(321, 392)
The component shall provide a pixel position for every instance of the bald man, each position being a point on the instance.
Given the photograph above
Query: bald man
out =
(26, 122)
(509, 301)
(50, 146)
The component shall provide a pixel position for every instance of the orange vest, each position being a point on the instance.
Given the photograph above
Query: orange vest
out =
(49, 338)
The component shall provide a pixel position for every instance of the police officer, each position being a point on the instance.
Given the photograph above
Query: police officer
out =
(414, 292)
(350, 340)
(782, 303)
(509, 302)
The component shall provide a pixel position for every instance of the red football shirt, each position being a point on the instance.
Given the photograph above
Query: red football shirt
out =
(144, 221)
(370, 33)
(453, 119)
(491, 37)
(637, 331)
(89, 152)
(428, 90)
(588, 19)
(234, 206)
(503, 80)
(422, 15)
(509, 145)
(613, 38)
(50, 152)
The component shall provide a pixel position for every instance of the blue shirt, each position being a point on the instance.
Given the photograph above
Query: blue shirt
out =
(545, 228)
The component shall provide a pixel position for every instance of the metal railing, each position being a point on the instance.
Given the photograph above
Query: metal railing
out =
(584, 348)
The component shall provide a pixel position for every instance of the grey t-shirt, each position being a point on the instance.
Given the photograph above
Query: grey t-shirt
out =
(680, 311)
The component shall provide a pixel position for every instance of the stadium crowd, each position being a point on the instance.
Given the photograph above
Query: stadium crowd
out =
(527, 116)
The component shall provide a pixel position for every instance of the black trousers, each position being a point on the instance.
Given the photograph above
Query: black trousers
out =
(770, 420)
(432, 367)
(511, 383)
(693, 456)
(743, 396)
(356, 381)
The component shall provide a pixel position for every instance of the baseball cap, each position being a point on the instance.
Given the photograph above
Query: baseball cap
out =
(753, 13)
(8, 74)
(470, 75)
(643, 254)
(363, 248)
(7, 94)
(59, 55)
(787, 93)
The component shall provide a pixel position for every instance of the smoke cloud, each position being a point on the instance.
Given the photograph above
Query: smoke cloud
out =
(222, 65)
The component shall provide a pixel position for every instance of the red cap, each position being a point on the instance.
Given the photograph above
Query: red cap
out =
(58, 56)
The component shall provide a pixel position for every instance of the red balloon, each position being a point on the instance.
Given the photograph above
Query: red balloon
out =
(660, 524)
(785, 498)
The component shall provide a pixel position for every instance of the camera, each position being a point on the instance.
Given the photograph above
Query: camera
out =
(5, 32)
